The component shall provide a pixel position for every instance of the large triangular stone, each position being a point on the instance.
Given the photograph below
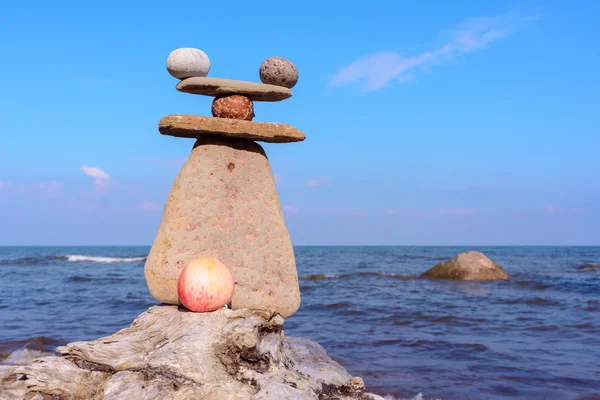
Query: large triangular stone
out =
(224, 204)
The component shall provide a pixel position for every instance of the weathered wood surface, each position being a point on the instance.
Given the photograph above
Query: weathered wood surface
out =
(169, 353)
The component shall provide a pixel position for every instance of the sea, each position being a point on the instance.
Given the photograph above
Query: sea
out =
(535, 336)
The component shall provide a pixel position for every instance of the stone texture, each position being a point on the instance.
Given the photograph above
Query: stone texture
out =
(278, 71)
(192, 126)
(469, 266)
(188, 62)
(234, 106)
(224, 204)
(218, 87)
(169, 353)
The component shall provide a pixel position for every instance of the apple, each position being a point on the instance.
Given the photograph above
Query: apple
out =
(205, 284)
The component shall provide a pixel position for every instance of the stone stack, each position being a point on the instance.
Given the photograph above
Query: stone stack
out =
(224, 203)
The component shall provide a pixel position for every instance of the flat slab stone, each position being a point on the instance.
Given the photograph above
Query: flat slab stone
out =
(224, 204)
(218, 87)
(193, 126)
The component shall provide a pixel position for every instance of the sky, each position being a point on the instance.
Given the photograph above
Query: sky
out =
(470, 123)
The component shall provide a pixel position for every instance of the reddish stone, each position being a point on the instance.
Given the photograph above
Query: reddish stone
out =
(234, 106)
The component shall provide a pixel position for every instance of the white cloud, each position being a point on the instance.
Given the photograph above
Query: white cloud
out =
(83, 205)
(165, 162)
(354, 212)
(100, 177)
(291, 209)
(552, 210)
(45, 189)
(318, 182)
(377, 70)
(148, 205)
(457, 211)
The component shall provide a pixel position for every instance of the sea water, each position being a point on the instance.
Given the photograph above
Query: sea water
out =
(535, 336)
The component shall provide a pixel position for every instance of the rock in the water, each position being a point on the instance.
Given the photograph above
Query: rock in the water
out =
(589, 267)
(278, 71)
(224, 204)
(169, 353)
(218, 87)
(469, 266)
(192, 126)
(234, 106)
(188, 62)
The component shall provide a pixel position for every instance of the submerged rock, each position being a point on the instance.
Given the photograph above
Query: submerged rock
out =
(469, 266)
(170, 353)
(589, 267)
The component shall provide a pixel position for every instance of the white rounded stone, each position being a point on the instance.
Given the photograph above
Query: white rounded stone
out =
(188, 62)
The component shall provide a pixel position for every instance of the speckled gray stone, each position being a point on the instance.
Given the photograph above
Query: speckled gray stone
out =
(188, 62)
(224, 204)
(279, 72)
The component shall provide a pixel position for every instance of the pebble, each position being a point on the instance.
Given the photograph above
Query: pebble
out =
(188, 62)
(234, 106)
(279, 71)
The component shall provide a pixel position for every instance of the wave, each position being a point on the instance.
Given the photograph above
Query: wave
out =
(80, 258)
(24, 357)
(417, 397)
(526, 284)
(80, 278)
(33, 346)
(51, 260)
(47, 260)
(319, 277)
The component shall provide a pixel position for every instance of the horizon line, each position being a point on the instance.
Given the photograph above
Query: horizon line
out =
(323, 245)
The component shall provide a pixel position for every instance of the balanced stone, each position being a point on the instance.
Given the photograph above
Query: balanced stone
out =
(224, 204)
(278, 71)
(218, 87)
(234, 106)
(469, 266)
(187, 62)
(193, 126)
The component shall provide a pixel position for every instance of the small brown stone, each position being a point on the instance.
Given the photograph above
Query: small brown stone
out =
(234, 106)
(279, 72)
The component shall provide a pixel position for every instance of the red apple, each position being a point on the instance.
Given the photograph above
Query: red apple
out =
(205, 284)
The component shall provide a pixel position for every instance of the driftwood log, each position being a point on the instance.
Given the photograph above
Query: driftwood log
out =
(170, 353)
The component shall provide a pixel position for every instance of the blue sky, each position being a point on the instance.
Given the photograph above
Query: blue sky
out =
(470, 124)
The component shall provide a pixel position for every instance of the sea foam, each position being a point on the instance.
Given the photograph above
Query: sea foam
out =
(80, 258)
